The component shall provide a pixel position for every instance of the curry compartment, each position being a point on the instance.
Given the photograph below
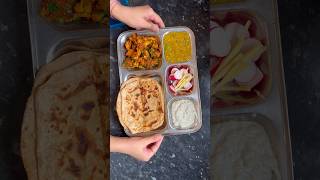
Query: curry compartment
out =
(161, 74)
(46, 37)
(142, 52)
(121, 43)
(72, 14)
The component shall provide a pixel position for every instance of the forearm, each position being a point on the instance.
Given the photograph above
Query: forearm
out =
(113, 4)
(118, 144)
(118, 11)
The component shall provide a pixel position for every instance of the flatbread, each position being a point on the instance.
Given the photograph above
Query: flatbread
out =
(64, 132)
(98, 45)
(140, 105)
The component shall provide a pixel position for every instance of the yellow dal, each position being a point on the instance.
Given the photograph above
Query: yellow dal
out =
(177, 47)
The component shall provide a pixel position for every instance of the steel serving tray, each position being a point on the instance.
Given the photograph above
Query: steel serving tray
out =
(274, 107)
(46, 36)
(161, 72)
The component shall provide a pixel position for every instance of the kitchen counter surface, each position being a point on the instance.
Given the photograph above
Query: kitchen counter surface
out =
(299, 23)
(182, 156)
(300, 42)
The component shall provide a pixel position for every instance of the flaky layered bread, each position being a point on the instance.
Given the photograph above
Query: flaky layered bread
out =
(140, 105)
(64, 132)
(98, 45)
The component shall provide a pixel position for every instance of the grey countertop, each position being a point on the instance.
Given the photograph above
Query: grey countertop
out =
(16, 81)
(300, 27)
(182, 156)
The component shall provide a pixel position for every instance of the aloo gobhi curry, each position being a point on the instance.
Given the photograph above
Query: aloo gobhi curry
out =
(142, 52)
(68, 11)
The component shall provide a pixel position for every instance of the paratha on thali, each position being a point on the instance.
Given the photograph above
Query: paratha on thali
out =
(64, 132)
(140, 105)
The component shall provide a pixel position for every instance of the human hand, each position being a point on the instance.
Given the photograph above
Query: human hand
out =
(139, 17)
(143, 148)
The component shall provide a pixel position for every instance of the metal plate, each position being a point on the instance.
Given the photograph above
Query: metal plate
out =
(45, 36)
(274, 107)
(161, 72)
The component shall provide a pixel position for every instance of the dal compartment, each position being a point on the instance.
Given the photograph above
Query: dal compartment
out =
(177, 47)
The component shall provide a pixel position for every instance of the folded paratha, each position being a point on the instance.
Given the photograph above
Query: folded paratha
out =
(140, 105)
(64, 132)
(99, 45)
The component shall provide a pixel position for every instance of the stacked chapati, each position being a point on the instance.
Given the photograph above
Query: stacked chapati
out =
(140, 105)
(64, 132)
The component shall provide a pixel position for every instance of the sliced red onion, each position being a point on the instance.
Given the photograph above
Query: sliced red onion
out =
(172, 88)
(171, 77)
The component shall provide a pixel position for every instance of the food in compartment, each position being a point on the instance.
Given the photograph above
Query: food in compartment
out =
(70, 11)
(64, 125)
(143, 52)
(177, 47)
(143, 109)
(238, 51)
(180, 80)
(140, 105)
(242, 150)
(183, 113)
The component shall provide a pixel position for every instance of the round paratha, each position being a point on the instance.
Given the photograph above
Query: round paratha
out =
(140, 105)
(64, 132)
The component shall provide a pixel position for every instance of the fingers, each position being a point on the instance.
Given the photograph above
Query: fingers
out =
(153, 27)
(150, 26)
(151, 20)
(154, 17)
(155, 146)
(153, 139)
(153, 143)
(151, 147)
